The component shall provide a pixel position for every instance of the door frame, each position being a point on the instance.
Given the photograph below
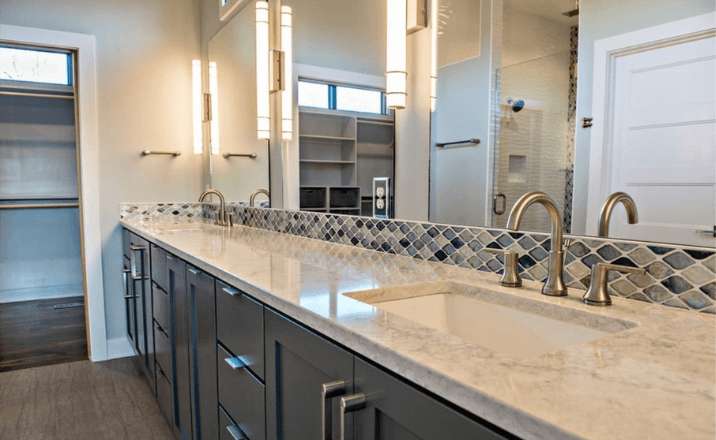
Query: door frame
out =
(606, 52)
(84, 47)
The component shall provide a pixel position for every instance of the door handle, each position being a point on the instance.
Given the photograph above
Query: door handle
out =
(235, 433)
(503, 206)
(329, 390)
(348, 404)
(134, 249)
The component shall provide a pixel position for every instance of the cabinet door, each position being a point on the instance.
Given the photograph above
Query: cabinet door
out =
(141, 285)
(179, 335)
(202, 354)
(299, 364)
(386, 408)
(129, 302)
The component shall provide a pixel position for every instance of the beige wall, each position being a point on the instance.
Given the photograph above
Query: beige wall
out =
(144, 53)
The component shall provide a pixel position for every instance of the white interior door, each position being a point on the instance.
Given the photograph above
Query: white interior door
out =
(661, 148)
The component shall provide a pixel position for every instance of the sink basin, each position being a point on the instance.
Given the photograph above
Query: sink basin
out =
(503, 323)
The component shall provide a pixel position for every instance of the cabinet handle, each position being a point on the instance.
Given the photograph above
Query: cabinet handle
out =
(329, 390)
(230, 290)
(193, 271)
(350, 403)
(235, 432)
(237, 362)
(133, 260)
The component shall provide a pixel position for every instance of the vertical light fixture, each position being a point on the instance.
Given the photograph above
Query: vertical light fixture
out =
(197, 102)
(263, 117)
(434, 33)
(396, 77)
(214, 92)
(287, 74)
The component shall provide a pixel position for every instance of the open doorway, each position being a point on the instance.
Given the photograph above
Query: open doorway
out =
(42, 318)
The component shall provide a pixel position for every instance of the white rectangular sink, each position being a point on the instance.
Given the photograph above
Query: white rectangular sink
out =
(503, 323)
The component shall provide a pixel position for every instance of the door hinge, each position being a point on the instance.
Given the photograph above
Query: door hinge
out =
(587, 122)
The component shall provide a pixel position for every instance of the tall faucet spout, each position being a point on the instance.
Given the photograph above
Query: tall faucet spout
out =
(612, 201)
(223, 219)
(554, 285)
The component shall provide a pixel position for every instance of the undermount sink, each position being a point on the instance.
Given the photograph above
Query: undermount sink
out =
(503, 323)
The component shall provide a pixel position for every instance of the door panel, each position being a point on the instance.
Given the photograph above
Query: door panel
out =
(202, 354)
(395, 410)
(662, 148)
(179, 335)
(298, 363)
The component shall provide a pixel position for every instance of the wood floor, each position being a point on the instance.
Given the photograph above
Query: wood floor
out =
(78, 401)
(34, 333)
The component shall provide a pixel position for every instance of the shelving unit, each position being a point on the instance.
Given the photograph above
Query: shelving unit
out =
(340, 153)
(39, 204)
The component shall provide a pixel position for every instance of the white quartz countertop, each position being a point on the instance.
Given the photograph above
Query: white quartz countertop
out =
(656, 380)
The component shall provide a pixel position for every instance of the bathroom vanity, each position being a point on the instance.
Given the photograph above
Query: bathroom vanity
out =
(265, 335)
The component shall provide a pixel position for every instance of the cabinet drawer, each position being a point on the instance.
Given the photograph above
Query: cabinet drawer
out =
(240, 326)
(161, 307)
(164, 394)
(228, 430)
(163, 348)
(241, 394)
(159, 267)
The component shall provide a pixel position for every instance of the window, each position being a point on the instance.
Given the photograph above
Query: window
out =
(312, 94)
(359, 100)
(31, 65)
(341, 97)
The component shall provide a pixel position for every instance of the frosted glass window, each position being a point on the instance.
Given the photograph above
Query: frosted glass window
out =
(359, 100)
(35, 66)
(311, 94)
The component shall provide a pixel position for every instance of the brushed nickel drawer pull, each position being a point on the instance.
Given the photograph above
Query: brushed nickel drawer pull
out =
(350, 403)
(329, 390)
(235, 432)
(237, 362)
(230, 290)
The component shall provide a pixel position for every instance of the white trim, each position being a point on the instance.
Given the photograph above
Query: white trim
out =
(230, 8)
(606, 51)
(326, 74)
(88, 142)
(119, 348)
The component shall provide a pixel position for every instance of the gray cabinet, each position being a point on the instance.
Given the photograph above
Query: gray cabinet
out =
(299, 366)
(202, 353)
(386, 408)
(138, 301)
(179, 335)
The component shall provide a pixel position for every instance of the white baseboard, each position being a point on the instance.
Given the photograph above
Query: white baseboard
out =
(119, 348)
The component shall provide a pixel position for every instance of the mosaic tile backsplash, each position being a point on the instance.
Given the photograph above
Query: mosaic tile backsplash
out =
(676, 276)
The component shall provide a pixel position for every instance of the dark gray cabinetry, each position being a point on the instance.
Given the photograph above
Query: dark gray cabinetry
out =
(386, 408)
(202, 353)
(299, 366)
(240, 326)
(179, 336)
(138, 301)
(241, 394)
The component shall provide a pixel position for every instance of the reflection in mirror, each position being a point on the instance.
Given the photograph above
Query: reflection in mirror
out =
(508, 74)
(346, 134)
(240, 167)
(521, 103)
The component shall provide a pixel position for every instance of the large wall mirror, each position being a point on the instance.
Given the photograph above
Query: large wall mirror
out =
(580, 100)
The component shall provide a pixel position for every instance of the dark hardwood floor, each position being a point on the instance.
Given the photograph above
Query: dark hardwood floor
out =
(79, 400)
(34, 333)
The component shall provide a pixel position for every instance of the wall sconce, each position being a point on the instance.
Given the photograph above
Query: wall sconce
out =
(396, 77)
(287, 73)
(263, 116)
(214, 102)
(197, 103)
(434, 32)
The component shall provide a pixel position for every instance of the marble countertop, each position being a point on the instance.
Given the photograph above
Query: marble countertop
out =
(656, 380)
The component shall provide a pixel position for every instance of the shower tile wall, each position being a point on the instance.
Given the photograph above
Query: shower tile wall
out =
(571, 128)
(532, 143)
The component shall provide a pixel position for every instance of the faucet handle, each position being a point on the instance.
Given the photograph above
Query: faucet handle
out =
(598, 294)
(510, 276)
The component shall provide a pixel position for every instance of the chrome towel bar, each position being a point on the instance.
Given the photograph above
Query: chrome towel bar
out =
(475, 141)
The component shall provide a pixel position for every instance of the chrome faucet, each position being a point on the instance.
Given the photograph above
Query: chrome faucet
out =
(252, 199)
(605, 215)
(554, 286)
(223, 219)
